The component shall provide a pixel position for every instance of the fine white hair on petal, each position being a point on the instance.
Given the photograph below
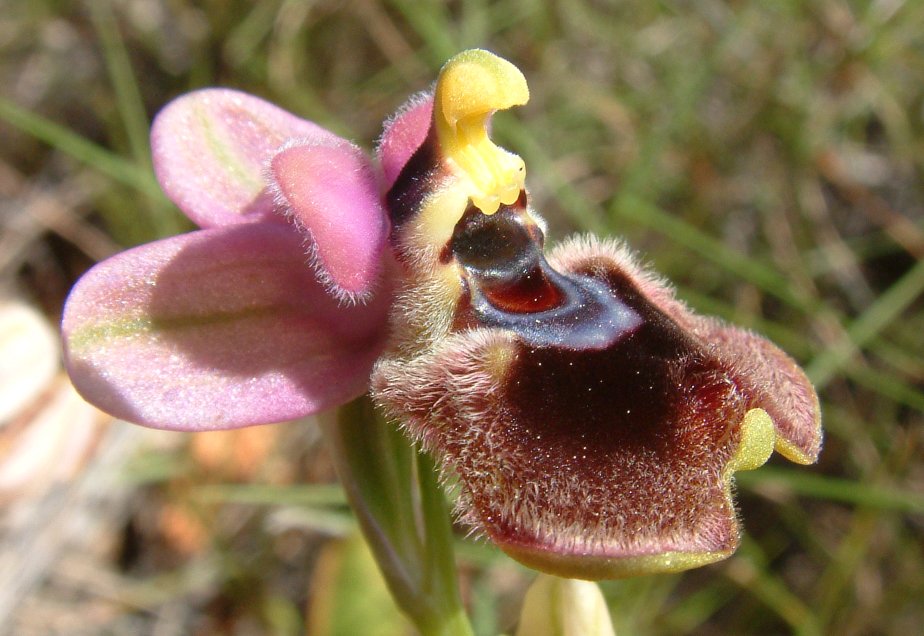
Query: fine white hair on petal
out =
(282, 205)
(410, 104)
(344, 297)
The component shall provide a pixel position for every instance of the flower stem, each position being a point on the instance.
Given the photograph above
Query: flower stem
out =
(402, 514)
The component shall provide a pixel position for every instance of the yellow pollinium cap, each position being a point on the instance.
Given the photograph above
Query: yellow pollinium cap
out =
(471, 87)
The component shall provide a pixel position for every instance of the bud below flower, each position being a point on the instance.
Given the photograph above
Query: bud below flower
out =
(564, 607)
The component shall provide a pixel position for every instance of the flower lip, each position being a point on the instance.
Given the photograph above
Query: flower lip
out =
(593, 421)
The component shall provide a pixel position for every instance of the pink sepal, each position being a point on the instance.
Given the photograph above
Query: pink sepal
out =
(217, 329)
(210, 148)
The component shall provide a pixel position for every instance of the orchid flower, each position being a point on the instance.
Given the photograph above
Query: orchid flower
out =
(592, 421)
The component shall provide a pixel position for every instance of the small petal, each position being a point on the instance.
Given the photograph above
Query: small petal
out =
(403, 135)
(330, 190)
(210, 148)
(216, 329)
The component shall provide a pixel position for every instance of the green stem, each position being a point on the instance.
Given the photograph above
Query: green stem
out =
(402, 514)
(438, 539)
(455, 624)
(438, 543)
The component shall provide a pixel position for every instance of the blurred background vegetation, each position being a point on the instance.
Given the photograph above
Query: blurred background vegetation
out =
(766, 156)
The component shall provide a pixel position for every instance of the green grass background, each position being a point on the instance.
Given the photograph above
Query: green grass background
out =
(765, 156)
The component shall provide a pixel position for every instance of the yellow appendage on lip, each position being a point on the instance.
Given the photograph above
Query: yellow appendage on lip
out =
(757, 440)
(471, 87)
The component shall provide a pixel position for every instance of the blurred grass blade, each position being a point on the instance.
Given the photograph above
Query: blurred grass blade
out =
(868, 325)
(833, 489)
(584, 215)
(675, 228)
(750, 569)
(349, 595)
(433, 24)
(696, 608)
(888, 385)
(272, 494)
(128, 97)
(83, 150)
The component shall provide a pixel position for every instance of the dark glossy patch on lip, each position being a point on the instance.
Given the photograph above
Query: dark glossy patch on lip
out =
(496, 247)
(510, 285)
